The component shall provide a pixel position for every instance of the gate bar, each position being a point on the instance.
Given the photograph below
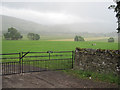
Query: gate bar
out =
(72, 58)
(20, 61)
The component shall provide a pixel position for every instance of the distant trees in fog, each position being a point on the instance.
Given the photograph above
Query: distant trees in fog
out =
(78, 38)
(12, 34)
(33, 36)
(111, 39)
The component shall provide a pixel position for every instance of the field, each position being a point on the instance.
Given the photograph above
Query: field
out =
(97, 39)
(27, 45)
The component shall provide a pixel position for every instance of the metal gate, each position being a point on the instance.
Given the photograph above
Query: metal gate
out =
(15, 63)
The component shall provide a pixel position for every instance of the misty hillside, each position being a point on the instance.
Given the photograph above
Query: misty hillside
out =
(28, 26)
(25, 27)
(21, 25)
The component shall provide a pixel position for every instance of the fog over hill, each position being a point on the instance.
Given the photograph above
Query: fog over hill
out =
(21, 25)
(84, 29)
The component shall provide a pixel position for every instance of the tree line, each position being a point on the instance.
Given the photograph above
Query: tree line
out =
(80, 38)
(13, 34)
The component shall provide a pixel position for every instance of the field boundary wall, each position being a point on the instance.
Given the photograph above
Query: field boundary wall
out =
(98, 60)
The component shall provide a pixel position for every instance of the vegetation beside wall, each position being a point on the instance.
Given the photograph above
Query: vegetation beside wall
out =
(110, 78)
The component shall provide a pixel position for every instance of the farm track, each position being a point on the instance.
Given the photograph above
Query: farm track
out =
(50, 79)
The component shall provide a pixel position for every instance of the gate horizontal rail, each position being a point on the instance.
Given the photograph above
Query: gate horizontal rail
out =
(9, 54)
(51, 52)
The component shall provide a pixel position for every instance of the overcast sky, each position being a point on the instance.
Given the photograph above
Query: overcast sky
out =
(51, 13)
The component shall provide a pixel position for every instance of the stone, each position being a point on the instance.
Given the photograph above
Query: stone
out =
(104, 61)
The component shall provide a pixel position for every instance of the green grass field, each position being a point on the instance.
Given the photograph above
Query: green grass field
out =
(37, 46)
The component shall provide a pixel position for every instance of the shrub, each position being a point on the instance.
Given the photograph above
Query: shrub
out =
(78, 38)
(111, 39)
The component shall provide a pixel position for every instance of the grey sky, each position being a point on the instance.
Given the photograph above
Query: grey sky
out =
(51, 13)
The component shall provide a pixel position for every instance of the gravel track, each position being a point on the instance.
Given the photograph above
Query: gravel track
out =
(50, 79)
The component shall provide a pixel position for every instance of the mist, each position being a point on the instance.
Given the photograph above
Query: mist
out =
(80, 16)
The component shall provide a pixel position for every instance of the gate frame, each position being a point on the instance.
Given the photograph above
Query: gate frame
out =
(22, 55)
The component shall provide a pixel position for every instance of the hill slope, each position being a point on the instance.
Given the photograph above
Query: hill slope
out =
(22, 25)
(25, 27)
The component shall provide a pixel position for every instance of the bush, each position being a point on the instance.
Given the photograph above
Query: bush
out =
(33, 36)
(111, 39)
(78, 38)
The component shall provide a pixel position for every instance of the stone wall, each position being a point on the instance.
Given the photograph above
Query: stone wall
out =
(103, 61)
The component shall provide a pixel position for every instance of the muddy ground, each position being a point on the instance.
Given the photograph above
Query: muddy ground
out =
(50, 79)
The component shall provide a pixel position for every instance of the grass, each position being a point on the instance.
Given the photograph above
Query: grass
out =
(51, 64)
(27, 45)
(111, 78)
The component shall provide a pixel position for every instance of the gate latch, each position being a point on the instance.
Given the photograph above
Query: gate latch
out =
(49, 51)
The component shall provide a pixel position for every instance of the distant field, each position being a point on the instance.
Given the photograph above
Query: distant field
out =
(27, 45)
(69, 38)
(51, 37)
(86, 39)
(96, 39)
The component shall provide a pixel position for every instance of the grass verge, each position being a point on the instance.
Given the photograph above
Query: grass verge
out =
(110, 78)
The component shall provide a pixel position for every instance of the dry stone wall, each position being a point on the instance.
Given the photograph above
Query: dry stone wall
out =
(103, 61)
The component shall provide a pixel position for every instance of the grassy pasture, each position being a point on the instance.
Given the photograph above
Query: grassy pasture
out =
(37, 46)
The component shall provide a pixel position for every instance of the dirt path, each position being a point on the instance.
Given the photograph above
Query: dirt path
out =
(50, 79)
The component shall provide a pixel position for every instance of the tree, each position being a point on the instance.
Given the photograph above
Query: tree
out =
(33, 36)
(111, 39)
(12, 34)
(78, 38)
(117, 10)
(30, 36)
(37, 37)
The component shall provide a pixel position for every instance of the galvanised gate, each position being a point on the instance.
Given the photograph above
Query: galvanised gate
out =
(15, 63)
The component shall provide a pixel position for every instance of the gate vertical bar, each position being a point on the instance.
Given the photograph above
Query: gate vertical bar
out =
(48, 65)
(19, 62)
(49, 55)
(72, 58)
(22, 62)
